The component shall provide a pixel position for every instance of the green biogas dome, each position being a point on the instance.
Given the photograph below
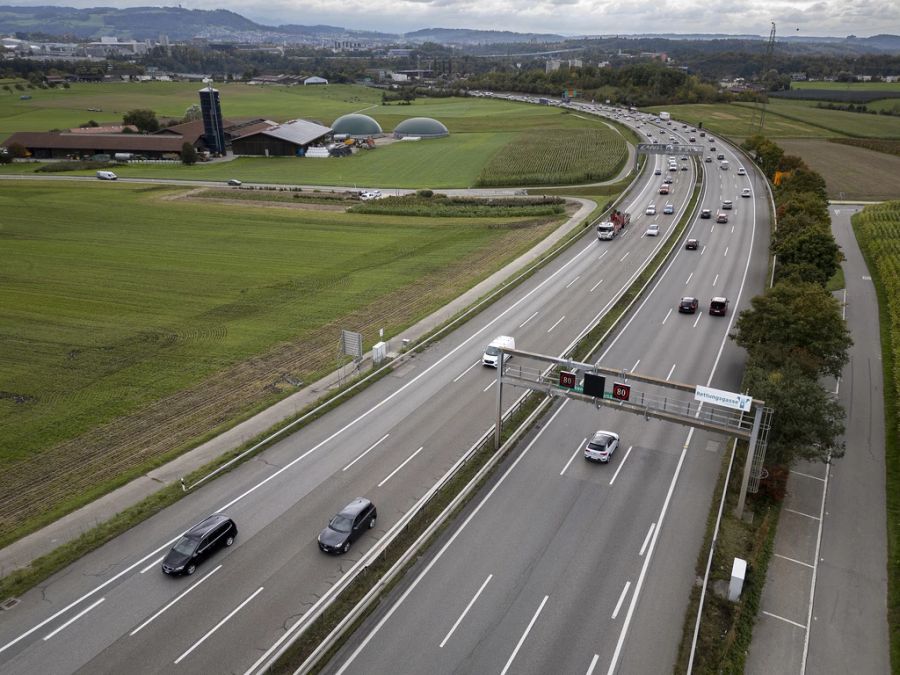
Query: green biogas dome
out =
(420, 127)
(356, 124)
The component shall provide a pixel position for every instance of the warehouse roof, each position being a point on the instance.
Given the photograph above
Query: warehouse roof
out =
(110, 142)
(299, 132)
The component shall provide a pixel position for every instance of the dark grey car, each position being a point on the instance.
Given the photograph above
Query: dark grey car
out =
(347, 526)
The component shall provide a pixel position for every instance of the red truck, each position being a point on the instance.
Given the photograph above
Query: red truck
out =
(610, 228)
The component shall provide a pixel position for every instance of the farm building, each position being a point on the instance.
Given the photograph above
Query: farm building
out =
(282, 140)
(420, 127)
(315, 79)
(356, 125)
(55, 145)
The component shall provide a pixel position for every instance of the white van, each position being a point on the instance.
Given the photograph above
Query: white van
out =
(724, 165)
(492, 352)
(106, 175)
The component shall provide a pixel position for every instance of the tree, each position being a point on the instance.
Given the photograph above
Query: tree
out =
(811, 255)
(795, 323)
(188, 154)
(807, 422)
(803, 179)
(17, 150)
(144, 120)
(192, 113)
(803, 203)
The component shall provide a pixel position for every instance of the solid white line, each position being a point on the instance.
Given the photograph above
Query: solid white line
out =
(697, 320)
(218, 625)
(621, 464)
(594, 660)
(156, 562)
(799, 625)
(493, 382)
(726, 252)
(73, 619)
(806, 475)
(176, 599)
(595, 286)
(405, 462)
(621, 600)
(577, 449)
(443, 550)
(690, 276)
(568, 285)
(815, 574)
(668, 314)
(465, 611)
(794, 560)
(372, 447)
(800, 513)
(522, 325)
(622, 259)
(715, 280)
(462, 374)
(524, 635)
(672, 369)
(557, 323)
(647, 539)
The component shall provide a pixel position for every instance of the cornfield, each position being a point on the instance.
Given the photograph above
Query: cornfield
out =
(556, 156)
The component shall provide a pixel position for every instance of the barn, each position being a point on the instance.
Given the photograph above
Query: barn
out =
(290, 139)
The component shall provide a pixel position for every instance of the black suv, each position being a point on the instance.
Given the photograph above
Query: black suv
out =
(198, 543)
(347, 526)
(718, 306)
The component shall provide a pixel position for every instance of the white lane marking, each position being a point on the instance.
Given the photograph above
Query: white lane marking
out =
(794, 560)
(672, 369)
(703, 250)
(590, 670)
(524, 635)
(815, 573)
(156, 562)
(726, 252)
(73, 619)
(557, 323)
(697, 320)
(668, 314)
(621, 464)
(690, 276)
(594, 287)
(218, 625)
(634, 367)
(575, 454)
(405, 462)
(800, 513)
(568, 285)
(622, 259)
(450, 541)
(647, 539)
(732, 229)
(493, 382)
(465, 611)
(603, 254)
(775, 616)
(275, 474)
(712, 229)
(462, 374)
(522, 325)
(806, 475)
(640, 582)
(172, 602)
(715, 280)
(621, 600)
(372, 447)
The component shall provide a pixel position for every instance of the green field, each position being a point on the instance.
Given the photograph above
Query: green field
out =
(135, 319)
(848, 86)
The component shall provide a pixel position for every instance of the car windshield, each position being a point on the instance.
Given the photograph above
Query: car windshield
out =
(341, 523)
(718, 305)
(492, 351)
(186, 545)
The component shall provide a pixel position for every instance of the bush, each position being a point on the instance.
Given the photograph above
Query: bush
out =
(425, 194)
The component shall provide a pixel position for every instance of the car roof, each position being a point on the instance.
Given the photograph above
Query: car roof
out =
(688, 297)
(602, 434)
(355, 507)
(208, 524)
(720, 300)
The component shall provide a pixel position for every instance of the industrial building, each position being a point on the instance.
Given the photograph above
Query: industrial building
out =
(290, 139)
(420, 127)
(356, 125)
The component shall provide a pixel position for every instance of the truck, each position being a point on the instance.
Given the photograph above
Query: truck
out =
(608, 229)
(664, 116)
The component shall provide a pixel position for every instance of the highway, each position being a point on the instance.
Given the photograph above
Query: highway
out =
(565, 566)
(114, 610)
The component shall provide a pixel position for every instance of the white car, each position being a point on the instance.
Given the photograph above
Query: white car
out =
(651, 210)
(652, 230)
(745, 192)
(668, 209)
(601, 446)
(370, 195)
(742, 171)
(234, 182)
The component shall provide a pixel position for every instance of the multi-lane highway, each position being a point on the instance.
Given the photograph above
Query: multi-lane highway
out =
(557, 539)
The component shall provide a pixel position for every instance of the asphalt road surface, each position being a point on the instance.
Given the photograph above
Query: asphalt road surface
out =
(114, 611)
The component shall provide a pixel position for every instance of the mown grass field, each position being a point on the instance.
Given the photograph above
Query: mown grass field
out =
(848, 86)
(136, 320)
(877, 230)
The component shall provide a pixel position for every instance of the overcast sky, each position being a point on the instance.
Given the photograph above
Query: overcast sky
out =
(567, 17)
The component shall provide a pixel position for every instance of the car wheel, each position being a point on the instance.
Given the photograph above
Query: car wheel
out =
(229, 541)
(190, 569)
(345, 547)
(372, 523)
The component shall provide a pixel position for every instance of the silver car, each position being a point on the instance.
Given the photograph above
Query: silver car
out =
(601, 446)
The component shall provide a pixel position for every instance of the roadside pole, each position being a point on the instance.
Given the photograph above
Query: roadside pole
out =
(748, 463)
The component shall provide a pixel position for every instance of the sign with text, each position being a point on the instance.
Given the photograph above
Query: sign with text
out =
(727, 399)
(621, 391)
(567, 379)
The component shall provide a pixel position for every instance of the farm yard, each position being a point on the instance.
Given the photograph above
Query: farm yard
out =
(106, 374)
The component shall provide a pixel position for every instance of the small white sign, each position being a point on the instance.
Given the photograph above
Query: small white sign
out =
(724, 398)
